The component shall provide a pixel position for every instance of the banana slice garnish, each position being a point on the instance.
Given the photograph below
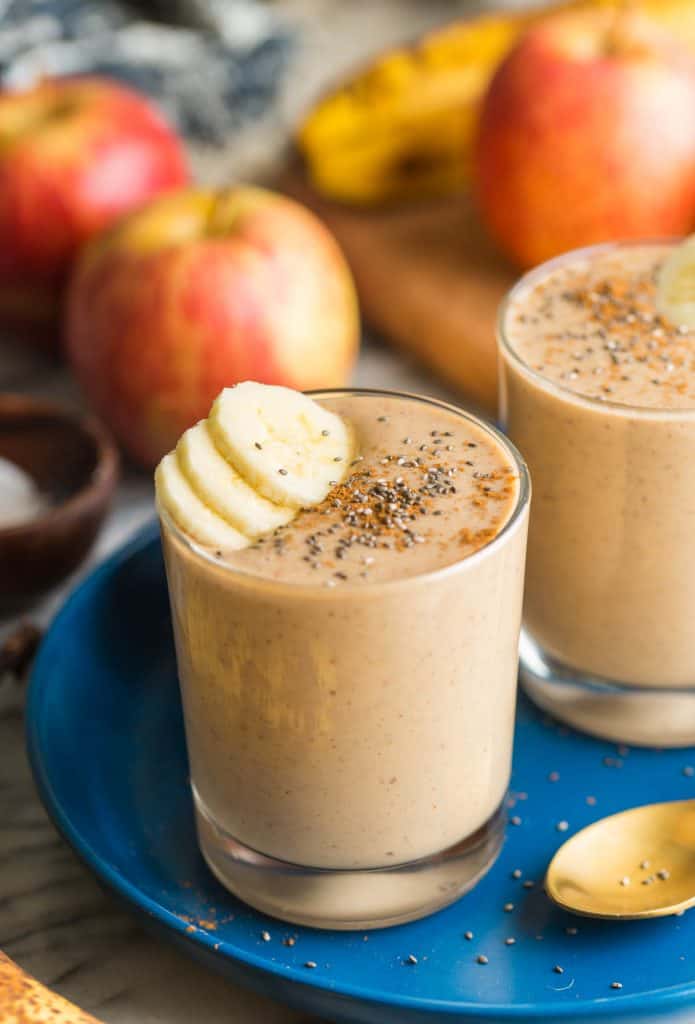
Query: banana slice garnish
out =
(263, 453)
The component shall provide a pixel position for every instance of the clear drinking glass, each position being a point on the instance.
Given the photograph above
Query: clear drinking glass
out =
(317, 719)
(608, 642)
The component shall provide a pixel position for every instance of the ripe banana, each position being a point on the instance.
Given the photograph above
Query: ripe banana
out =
(190, 513)
(285, 445)
(674, 293)
(220, 486)
(263, 453)
(403, 128)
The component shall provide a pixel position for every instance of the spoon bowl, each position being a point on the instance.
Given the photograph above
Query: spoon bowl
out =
(636, 864)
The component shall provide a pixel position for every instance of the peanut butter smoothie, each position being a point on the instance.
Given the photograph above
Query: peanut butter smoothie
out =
(349, 674)
(598, 392)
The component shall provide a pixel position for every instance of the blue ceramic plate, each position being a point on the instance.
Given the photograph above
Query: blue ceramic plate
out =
(107, 748)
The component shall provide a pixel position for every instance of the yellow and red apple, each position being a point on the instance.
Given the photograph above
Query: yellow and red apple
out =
(75, 153)
(200, 290)
(587, 133)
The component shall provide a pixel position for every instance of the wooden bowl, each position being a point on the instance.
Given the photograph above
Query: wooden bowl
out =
(74, 463)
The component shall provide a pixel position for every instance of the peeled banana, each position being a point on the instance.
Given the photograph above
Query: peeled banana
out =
(287, 447)
(223, 489)
(263, 453)
(189, 512)
(403, 127)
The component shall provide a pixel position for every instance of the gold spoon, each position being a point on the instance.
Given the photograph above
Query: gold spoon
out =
(639, 863)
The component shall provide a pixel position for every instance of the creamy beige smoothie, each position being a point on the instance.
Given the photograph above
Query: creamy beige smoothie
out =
(349, 680)
(598, 392)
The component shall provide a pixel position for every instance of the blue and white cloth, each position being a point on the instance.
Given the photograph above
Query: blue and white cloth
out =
(212, 65)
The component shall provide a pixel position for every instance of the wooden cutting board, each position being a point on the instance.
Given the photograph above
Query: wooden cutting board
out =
(428, 279)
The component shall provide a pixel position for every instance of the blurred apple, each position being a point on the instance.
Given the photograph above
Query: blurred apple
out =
(75, 153)
(198, 291)
(587, 133)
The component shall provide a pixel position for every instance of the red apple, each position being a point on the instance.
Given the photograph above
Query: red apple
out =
(198, 291)
(587, 134)
(75, 153)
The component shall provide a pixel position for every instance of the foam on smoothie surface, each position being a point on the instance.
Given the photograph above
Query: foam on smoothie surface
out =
(426, 489)
(592, 326)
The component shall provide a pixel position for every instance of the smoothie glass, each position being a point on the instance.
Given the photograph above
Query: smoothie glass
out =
(318, 718)
(608, 642)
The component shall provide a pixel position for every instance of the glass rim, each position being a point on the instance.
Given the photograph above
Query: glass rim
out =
(531, 277)
(521, 503)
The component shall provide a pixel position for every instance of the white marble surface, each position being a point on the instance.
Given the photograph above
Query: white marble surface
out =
(54, 919)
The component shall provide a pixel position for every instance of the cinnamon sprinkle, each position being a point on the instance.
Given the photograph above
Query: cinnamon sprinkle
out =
(595, 329)
(374, 512)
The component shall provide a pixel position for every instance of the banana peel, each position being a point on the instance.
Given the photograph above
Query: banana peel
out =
(403, 127)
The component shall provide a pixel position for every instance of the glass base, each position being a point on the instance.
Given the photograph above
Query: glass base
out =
(639, 715)
(350, 899)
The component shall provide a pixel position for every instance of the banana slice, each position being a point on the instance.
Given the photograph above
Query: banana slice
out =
(286, 446)
(189, 512)
(219, 485)
(675, 293)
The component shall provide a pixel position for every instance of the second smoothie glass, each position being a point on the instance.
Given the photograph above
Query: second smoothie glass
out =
(608, 642)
